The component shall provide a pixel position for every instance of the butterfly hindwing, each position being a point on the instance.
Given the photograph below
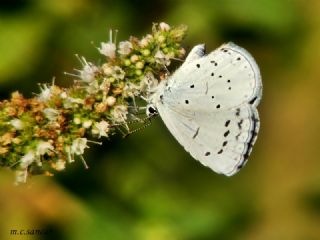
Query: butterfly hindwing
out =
(222, 141)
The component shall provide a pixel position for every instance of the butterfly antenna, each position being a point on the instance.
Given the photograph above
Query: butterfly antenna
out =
(138, 129)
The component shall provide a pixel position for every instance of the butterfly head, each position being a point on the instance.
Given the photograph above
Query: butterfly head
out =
(151, 110)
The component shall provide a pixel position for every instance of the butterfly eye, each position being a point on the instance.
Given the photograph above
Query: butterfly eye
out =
(151, 110)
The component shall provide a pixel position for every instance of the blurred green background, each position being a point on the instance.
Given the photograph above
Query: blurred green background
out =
(146, 187)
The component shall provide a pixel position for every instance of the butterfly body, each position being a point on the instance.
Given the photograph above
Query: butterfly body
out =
(209, 106)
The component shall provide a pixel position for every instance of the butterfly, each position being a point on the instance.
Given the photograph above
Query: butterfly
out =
(209, 104)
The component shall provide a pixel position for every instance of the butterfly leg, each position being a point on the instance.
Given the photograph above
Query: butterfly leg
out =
(146, 121)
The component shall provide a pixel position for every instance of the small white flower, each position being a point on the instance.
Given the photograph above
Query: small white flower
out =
(88, 73)
(139, 65)
(164, 26)
(125, 47)
(161, 38)
(78, 146)
(108, 49)
(182, 52)
(76, 100)
(101, 128)
(162, 58)
(51, 114)
(69, 153)
(17, 123)
(43, 148)
(131, 90)
(93, 87)
(119, 113)
(45, 93)
(145, 41)
(149, 82)
(77, 120)
(159, 55)
(111, 100)
(87, 123)
(115, 71)
(134, 58)
(118, 73)
(63, 95)
(70, 101)
(60, 165)
(107, 69)
(21, 176)
(105, 86)
(27, 159)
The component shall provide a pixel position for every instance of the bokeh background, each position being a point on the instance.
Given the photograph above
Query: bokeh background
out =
(146, 187)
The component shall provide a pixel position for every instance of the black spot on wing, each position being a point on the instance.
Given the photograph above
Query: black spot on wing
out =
(240, 124)
(226, 133)
(238, 135)
(238, 112)
(214, 62)
(196, 133)
(227, 123)
(229, 81)
(250, 142)
(198, 65)
(240, 166)
(207, 154)
(253, 100)
(221, 150)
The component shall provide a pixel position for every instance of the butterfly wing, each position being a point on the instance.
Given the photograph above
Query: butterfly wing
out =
(220, 140)
(228, 75)
(210, 104)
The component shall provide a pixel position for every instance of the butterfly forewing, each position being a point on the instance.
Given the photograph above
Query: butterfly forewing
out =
(226, 78)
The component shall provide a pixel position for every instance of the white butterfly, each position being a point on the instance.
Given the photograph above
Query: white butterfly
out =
(209, 106)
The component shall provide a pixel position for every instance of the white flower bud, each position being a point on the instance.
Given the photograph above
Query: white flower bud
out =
(60, 165)
(17, 123)
(134, 58)
(77, 120)
(21, 176)
(110, 101)
(125, 47)
(164, 26)
(87, 123)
